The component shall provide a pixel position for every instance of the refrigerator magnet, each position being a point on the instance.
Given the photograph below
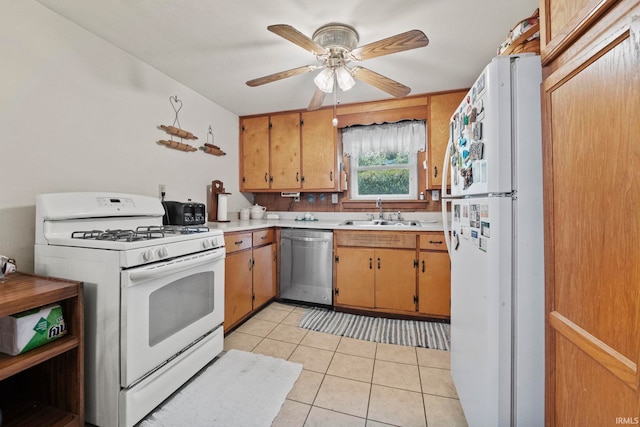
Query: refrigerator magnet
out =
(476, 150)
(483, 244)
(485, 229)
(474, 237)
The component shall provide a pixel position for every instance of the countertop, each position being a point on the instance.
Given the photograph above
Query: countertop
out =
(429, 221)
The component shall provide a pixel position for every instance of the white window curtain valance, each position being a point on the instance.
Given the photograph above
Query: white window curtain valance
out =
(408, 136)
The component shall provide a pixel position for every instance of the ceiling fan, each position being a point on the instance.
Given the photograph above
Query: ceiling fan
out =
(335, 46)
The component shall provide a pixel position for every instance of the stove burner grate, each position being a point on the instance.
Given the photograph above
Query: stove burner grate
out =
(146, 232)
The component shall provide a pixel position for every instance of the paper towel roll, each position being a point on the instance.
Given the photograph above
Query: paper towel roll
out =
(222, 207)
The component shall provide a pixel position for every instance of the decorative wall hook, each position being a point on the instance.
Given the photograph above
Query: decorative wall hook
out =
(174, 130)
(209, 148)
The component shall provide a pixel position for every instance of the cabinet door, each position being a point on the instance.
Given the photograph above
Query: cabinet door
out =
(254, 163)
(285, 151)
(442, 108)
(434, 283)
(237, 290)
(264, 274)
(395, 279)
(355, 277)
(591, 259)
(319, 156)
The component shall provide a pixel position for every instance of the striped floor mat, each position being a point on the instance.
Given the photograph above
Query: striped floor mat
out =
(414, 333)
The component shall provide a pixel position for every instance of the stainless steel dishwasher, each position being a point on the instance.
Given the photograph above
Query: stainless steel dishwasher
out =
(306, 265)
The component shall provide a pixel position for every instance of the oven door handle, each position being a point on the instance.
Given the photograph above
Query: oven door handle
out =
(174, 266)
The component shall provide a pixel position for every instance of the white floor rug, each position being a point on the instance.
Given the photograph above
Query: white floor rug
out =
(239, 389)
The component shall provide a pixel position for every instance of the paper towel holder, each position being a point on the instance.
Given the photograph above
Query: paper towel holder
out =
(217, 187)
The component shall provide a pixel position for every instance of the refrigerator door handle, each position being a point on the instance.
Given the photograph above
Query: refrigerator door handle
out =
(445, 224)
(446, 196)
(445, 169)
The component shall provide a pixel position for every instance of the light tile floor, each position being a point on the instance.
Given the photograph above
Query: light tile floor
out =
(349, 382)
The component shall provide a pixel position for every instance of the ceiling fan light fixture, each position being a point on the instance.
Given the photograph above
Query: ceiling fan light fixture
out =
(336, 35)
(324, 80)
(344, 78)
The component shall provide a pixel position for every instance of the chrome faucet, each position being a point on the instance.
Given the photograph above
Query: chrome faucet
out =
(379, 205)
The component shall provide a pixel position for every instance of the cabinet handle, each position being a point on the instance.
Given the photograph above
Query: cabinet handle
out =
(297, 176)
(378, 263)
(250, 264)
(271, 178)
(331, 176)
(239, 242)
(370, 263)
(435, 242)
(263, 237)
(435, 171)
(265, 177)
(423, 266)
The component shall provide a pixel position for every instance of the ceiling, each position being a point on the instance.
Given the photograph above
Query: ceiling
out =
(214, 47)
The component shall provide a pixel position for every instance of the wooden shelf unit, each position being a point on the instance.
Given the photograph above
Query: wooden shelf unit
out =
(44, 386)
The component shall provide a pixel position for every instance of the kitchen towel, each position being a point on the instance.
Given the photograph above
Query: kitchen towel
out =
(239, 389)
(416, 333)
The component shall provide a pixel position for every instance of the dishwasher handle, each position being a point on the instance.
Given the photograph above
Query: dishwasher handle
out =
(306, 239)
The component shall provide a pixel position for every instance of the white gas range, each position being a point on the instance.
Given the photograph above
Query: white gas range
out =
(154, 296)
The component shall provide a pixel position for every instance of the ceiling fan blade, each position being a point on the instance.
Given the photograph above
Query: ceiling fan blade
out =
(316, 100)
(295, 36)
(406, 41)
(383, 83)
(281, 75)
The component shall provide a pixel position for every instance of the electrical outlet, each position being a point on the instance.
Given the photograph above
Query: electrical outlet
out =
(435, 195)
(334, 198)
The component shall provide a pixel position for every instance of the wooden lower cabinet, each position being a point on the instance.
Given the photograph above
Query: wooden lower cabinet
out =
(250, 274)
(434, 283)
(381, 271)
(238, 289)
(395, 279)
(264, 274)
(355, 277)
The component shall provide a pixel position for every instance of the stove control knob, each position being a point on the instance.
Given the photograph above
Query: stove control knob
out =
(163, 252)
(206, 244)
(147, 255)
(214, 243)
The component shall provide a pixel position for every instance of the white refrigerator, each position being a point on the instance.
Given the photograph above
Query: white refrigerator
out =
(493, 218)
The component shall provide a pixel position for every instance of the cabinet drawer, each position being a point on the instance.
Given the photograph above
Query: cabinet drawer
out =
(433, 241)
(263, 237)
(237, 242)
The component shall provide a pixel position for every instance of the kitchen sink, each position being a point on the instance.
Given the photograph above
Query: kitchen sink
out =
(380, 223)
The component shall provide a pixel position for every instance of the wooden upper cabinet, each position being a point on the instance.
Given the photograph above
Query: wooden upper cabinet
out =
(285, 151)
(442, 108)
(254, 152)
(563, 22)
(319, 150)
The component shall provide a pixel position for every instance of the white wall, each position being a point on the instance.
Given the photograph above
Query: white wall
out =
(78, 114)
